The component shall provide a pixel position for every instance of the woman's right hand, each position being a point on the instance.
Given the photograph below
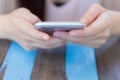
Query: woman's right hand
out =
(19, 26)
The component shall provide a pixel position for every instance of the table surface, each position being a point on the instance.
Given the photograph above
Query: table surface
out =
(108, 64)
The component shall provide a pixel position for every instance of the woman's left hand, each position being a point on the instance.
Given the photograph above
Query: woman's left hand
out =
(99, 25)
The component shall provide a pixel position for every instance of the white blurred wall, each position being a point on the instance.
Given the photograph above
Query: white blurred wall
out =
(111, 4)
(7, 6)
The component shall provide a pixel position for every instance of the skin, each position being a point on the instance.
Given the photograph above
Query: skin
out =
(101, 23)
(18, 26)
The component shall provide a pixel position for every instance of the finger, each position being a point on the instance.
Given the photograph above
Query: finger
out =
(29, 43)
(65, 36)
(27, 15)
(94, 43)
(28, 39)
(93, 12)
(61, 35)
(29, 30)
(38, 46)
(22, 42)
(101, 23)
(53, 43)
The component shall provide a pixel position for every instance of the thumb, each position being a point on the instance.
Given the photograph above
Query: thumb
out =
(91, 15)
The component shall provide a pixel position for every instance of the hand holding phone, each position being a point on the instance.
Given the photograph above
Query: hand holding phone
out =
(50, 27)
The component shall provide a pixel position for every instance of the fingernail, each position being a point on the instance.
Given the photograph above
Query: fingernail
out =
(73, 33)
(83, 20)
(58, 34)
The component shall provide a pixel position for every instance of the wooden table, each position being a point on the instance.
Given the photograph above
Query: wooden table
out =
(108, 64)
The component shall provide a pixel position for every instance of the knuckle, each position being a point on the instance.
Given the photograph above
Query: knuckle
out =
(24, 9)
(28, 12)
(36, 18)
(88, 17)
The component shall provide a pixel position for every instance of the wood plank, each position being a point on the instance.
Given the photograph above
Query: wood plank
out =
(50, 65)
(2, 73)
(4, 45)
(108, 63)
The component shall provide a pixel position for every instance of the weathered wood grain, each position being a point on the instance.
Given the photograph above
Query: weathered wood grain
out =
(50, 65)
(4, 45)
(2, 73)
(108, 63)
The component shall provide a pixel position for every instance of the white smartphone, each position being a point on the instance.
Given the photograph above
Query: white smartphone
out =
(50, 27)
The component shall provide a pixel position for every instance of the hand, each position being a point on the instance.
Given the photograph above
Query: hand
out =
(99, 26)
(19, 26)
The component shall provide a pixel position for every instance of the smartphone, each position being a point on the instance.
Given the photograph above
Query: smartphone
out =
(50, 27)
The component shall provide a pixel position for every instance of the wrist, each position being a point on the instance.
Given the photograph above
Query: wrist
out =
(115, 18)
(3, 26)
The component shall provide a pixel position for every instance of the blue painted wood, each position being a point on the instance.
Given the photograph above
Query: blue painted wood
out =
(80, 63)
(19, 63)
